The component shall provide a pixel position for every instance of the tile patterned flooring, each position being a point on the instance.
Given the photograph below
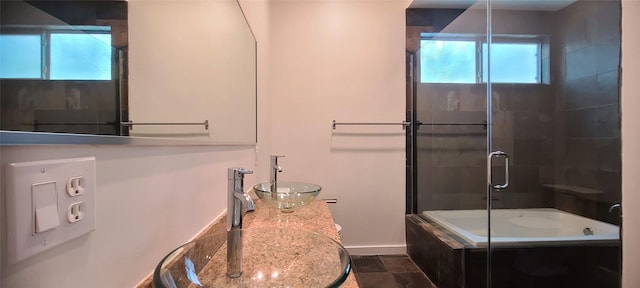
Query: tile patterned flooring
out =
(389, 271)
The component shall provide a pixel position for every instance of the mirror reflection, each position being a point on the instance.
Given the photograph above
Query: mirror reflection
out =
(152, 69)
(60, 69)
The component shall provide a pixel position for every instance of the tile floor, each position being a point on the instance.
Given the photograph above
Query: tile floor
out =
(388, 271)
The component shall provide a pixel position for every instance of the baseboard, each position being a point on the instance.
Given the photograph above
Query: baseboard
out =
(377, 250)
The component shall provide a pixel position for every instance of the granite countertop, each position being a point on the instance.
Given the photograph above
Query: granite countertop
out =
(315, 217)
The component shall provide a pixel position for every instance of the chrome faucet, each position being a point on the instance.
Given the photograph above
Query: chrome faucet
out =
(275, 169)
(238, 202)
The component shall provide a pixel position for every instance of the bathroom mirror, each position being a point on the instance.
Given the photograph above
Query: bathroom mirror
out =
(127, 72)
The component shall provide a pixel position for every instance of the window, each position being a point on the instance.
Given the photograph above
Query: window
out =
(20, 56)
(80, 56)
(56, 55)
(512, 63)
(448, 61)
(457, 60)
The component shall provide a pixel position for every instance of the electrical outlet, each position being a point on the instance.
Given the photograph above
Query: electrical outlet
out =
(75, 186)
(48, 203)
(76, 212)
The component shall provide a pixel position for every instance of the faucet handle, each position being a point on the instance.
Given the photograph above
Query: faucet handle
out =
(275, 157)
(245, 171)
(247, 203)
(237, 173)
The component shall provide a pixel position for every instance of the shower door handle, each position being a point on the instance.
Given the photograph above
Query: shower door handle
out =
(506, 169)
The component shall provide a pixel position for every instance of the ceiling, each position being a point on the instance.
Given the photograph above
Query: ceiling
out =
(538, 5)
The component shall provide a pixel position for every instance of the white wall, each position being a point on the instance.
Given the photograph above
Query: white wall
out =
(148, 201)
(343, 61)
(630, 144)
(257, 13)
(196, 50)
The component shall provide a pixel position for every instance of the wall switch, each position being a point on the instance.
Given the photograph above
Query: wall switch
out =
(48, 203)
(44, 203)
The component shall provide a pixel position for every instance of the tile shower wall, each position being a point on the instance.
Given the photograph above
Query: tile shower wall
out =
(562, 133)
(588, 108)
(452, 161)
(47, 106)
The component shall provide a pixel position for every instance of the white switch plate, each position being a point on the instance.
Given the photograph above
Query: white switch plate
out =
(22, 242)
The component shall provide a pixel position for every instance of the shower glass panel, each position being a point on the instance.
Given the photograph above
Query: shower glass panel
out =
(450, 107)
(543, 98)
(551, 227)
(449, 143)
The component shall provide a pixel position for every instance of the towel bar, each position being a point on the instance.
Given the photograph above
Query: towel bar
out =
(131, 124)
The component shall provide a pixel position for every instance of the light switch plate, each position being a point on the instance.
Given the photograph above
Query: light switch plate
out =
(44, 203)
(21, 178)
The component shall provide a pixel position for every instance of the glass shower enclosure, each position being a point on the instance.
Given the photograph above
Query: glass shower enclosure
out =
(513, 156)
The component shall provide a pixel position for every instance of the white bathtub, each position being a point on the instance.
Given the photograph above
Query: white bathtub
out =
(524, 227)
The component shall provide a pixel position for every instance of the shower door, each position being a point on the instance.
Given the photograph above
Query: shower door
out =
(551, 70)
(449, 147)
(515, 120)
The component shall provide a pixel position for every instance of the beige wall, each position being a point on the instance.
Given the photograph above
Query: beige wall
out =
(630, 144)
(257, 13)
(148, 201)
(343, 61)
(197, 62)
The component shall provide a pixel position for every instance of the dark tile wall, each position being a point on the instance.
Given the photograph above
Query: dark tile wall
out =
(440, 257)
(553, 267)
(566, 132)
(587, 150)
(86, 107)
(449, 262)
(451, 159)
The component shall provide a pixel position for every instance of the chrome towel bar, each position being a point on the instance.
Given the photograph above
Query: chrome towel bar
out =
(131, 124)
(407, 123)
(484, 124)
(404, 124)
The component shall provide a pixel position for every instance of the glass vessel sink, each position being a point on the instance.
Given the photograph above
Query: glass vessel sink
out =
(271, 258)
(289, 196)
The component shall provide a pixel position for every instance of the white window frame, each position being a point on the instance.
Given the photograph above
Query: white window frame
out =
(45, 39)
(540, 40)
